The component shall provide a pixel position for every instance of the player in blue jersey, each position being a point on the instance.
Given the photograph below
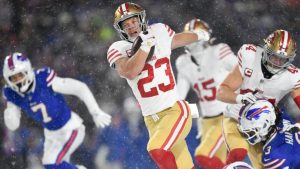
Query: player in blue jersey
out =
(262, 123)
(39, 94)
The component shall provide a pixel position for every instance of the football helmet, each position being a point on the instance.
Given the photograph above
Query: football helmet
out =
(125, 11)
(238, 165)
(279, 51)
(14, 64)
(196, 25)
(257, 120)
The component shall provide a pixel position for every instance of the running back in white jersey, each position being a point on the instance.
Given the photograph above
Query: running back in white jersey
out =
(208, 69)
(273, 89)
(154, 87)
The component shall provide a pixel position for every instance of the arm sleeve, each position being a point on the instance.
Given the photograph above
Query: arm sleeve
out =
(12, 116)
(77, 88)
(183, 86)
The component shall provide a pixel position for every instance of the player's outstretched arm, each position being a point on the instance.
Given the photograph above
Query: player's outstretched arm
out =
(12, 116)
(77, 88)
(185, 38)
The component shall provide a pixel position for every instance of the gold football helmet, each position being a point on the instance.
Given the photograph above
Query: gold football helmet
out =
(279, 51)
(125, 11)
(196, 25)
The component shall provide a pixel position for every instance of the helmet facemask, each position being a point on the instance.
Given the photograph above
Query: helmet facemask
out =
(257, 121)
(18, 73)
(279, 51)
(126, 11)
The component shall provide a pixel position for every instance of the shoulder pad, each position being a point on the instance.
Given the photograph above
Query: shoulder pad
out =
(118, 50)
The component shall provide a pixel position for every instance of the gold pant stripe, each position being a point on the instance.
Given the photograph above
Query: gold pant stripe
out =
(178, 126)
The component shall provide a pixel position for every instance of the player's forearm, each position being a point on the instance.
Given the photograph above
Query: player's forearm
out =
(133, 66)
(182, 39)
(225, 94)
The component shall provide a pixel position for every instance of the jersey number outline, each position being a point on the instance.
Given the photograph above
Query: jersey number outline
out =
(205, 86)
(150, 70)
(42, 107)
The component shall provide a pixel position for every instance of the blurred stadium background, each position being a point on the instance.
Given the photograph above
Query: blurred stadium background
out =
(72, 37)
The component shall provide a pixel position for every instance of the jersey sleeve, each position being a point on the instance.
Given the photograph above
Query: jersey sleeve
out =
(170, 31)
(295, 76)
(226, 57)
(164, 31)
(47, 74)
(246, 56)
(117, 50)
(183, 84)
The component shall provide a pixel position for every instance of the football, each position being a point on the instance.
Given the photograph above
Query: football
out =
(137, 44)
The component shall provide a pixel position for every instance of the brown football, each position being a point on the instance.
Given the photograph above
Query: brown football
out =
(137, 44)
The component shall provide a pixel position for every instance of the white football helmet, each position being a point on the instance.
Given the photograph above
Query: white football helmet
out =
(279, 51)
(257, 120)
(14, 64)
(238, 165)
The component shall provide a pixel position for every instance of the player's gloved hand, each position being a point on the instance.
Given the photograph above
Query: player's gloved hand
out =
(101, 119)
(291, 127)
(199, 128)
(247, 98)
(148, 41)
(203, 35)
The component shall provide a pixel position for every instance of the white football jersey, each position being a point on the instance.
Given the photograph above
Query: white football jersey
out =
(273, 89)
(204, 74)
(154, 87)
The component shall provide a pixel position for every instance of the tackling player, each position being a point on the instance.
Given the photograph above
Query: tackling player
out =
(262, 123)
(38, 93)
(168, 119)
(262, 72)
(203, 67)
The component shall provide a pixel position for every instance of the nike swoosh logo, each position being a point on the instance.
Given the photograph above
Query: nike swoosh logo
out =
(267, 159)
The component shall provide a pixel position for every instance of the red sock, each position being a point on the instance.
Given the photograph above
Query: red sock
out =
(209, 163)
(237, 154)
(163, 159)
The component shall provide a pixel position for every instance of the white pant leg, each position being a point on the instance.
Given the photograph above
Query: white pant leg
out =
(60, 144)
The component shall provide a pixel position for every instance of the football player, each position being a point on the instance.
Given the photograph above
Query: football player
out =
(168, 119)
(203, 67)
(262, 72)
(39, 94)
(262, 123)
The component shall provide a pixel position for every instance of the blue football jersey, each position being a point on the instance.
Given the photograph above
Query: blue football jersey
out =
(282, 150)
(45, 106)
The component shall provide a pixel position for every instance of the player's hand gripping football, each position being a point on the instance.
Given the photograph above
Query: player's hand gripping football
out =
(148, 40)
(247, 98)
(101, 119)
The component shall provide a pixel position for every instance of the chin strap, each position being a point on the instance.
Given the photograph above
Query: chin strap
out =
(265, 71)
